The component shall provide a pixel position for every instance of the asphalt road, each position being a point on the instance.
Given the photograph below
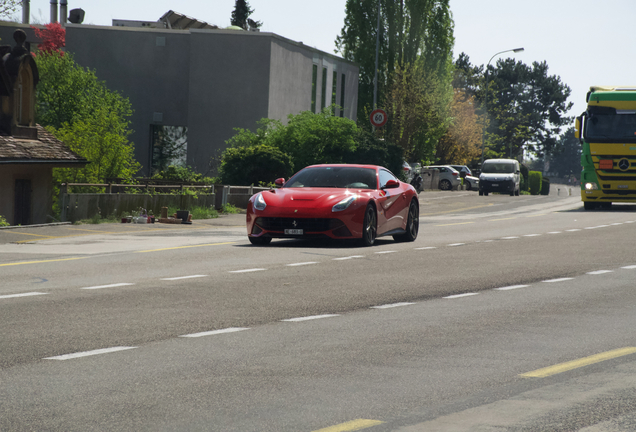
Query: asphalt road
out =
(188, 327)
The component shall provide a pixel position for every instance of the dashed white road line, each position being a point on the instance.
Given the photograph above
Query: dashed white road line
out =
(629, 267)
(573, 230)
(28, 294)
(531, 235)
(215, 332)
(392, 305)
(557, 280)
(385, 252)
(89, 353)
(308, 318)
(348, 257)
(426, 248)
(456, 244)
(108, 286)
(511, 287)
(247, 270)
(184, 277)
(554, 232)
(302, 264)
(598, 272)
(460, 295)
(509, 238)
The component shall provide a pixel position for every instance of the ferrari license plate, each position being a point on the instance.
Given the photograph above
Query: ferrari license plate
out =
(495, 184)
(294, 231)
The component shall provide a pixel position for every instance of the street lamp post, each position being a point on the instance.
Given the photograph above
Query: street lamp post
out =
(483, 137)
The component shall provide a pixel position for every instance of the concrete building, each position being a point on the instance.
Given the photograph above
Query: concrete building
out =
(191, 88)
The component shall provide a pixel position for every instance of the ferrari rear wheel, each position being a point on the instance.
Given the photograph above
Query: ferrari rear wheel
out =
(412, 224)
(260, 241)
(369, 226)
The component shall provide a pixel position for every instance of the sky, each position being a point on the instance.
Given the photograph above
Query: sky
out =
(582, 42)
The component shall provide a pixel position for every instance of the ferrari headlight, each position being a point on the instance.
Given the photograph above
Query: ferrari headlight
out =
(591, 186)
(344, 204)
(259, 202)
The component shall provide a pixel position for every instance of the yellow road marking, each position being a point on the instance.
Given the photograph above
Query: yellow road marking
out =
(94, 231)
(353, 425)
(43, 261)
(455, 211)
(185, 247)
(574, 364)
(542, 214)
(494, 220)
(459, 223)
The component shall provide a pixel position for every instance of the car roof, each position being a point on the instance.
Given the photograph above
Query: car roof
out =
(346, 165)
(501, 160)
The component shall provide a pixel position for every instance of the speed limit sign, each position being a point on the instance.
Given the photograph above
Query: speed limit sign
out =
(378, 118)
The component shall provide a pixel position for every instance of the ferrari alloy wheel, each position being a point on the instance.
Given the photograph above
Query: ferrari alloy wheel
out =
(412, 224)
(260, 241)
(445, 185)
(369, 226)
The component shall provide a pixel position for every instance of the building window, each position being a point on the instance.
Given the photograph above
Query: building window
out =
(169, 147)
(323, 99)
(342, 94)
(314, 83)
(334, 89)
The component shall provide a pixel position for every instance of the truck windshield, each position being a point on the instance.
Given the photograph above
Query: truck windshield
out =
(610, 128)
(498, 168)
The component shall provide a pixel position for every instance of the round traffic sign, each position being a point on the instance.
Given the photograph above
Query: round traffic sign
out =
(378, 118)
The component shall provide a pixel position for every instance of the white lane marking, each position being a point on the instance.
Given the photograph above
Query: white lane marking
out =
(555, 232)
(108, 286)
(630, 221)
(456, 244)
(426, 248)
(348, 258)
(460, 295)
(630, 267)
(511, 287)
(509, 238)
(385, 252)
(617, 223)
(531, 235)
(302, 264)
(392, 305)
(215, 332)
(89, 353)
(557, 280)
(486, 241)
(28, 294)
(572, 230)
(184, 277)
(247, 270)
(313, 317)
(598, 272)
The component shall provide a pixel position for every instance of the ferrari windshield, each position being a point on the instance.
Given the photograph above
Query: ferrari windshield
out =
(498, 168)
(611, 128)
(334, 177)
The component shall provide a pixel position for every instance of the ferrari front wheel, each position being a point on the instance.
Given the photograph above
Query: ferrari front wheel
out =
(260, 241)
(369, 226)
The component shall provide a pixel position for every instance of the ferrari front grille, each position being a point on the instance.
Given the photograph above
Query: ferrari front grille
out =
(306, 224)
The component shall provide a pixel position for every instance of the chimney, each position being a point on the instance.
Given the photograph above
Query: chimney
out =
(53, 11)
(26, 12)
(63, 12)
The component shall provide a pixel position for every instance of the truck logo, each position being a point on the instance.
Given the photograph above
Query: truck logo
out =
(623, 164)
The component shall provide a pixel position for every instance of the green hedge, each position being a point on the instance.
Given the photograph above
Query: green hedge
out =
(545, 186)
(246, 166)
(524, 177)
(534, 182)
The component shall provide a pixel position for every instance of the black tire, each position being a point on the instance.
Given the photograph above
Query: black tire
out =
(412, 224)
(445, 184)
(517, 192)
(468, 187)
(260, 241)
(486, 193)
(481, 193)
(512, 192)
(369, 226)
(589, 205)
(606, 205)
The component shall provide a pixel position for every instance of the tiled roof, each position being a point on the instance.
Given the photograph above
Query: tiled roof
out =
(46, 149)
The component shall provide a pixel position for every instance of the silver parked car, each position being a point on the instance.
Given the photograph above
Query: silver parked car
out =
(449, 177)
(470, 181)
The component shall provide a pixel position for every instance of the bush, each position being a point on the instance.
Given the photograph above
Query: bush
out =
(182, 175)
(3, 221)
(545, 186)
(246, 166)
(524, 176)
(534, 182)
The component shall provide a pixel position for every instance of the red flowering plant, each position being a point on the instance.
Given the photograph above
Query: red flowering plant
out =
(53, 37)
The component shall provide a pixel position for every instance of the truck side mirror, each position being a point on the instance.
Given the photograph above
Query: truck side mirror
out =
(577, 128)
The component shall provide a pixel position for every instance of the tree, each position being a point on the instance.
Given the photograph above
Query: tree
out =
(53, 38)
(566, 160)
(410, 30)
(462, 142)
(9, 7)
(240, 15)
(88, 117)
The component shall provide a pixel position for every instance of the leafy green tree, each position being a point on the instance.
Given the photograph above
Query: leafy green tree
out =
(410, 30)
(566, 161)
(181, 174)
(244, 166)
(241, 13)
(88, 117)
